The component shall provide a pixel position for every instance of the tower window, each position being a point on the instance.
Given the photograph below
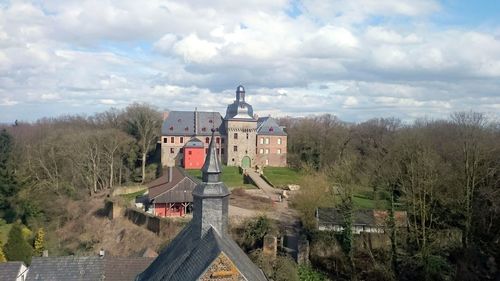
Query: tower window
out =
(217, 140)
(235, 148)
(222, 151)
(171, 150)
(235, 136)
(247, 135)
(222, 140)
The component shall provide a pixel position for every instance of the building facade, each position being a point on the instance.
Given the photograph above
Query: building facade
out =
(242, 139)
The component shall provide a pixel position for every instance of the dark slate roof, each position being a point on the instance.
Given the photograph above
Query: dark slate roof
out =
(178, 189)
(269, 126)
(360, 217)
(9, 270)
(182, 123)
(194, 142)
(122, 269)
(187, 258)
(212, 163)
(68, 268)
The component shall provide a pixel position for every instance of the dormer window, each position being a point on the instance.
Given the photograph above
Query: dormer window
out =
(203, 129)
(186, 129)
(179, 120)
(171, 128)
(210, 121)
(271, 129)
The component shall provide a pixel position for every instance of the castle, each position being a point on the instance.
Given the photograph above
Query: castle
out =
(241, 138)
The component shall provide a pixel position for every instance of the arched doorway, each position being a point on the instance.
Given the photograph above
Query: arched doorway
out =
(246, 162)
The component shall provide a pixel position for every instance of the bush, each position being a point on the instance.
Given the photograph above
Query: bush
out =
(307, 273)
(17, 248)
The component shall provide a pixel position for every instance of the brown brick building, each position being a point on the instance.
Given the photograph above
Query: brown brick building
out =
(242, 139)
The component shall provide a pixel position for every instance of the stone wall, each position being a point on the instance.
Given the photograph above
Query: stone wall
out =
(245, 141)
(267, 150)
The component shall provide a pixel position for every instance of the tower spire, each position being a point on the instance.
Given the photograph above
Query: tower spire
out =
(211, 170)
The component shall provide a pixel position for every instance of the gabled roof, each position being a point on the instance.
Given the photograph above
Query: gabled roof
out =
(71, 268)
(195, 142)
(177, 189)
(269, 126)
(182, 123)
(9, 271)
(66, 268)
(186, 258)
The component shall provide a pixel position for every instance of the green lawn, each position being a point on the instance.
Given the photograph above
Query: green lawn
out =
(230, 176)
(131, 196)
(282, 176)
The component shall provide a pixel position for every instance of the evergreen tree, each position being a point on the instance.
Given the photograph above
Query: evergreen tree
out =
(39, 243)
(7, 179)
(17, 248)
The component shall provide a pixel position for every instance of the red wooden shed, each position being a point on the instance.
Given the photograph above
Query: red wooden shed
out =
(194, 154)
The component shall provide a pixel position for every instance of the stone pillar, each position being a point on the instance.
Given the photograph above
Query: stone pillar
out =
(270, 248)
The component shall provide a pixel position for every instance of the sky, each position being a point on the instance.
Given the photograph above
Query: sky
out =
(356, 59)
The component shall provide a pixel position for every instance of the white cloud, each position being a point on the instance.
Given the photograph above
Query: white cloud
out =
(357, 59)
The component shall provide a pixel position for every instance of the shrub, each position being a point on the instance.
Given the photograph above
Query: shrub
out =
(17, 248)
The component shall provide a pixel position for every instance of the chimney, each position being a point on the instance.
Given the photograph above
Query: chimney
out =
(170, 173)
(101, 253)
(195, 121)
(45, 253)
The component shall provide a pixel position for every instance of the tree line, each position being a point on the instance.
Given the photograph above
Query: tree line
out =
(444, 173)
(74, 156)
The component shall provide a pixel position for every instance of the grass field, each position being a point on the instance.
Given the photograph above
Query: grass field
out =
(131, 196)
(281, 176)
(230, 176)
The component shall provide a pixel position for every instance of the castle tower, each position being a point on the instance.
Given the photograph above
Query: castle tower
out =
(241, 129)
(211, 197)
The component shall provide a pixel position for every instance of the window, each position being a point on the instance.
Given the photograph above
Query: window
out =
(206, 150)
(278, 151)
(267, 140)
(261, 140)
(267, 150)
(235, 136)
(171, 150)
(222, 151)
(165, 140)
(203, 129)
(218, 151)
(247, 135)
(222, 140)
(261, 151)
(172, 139)
(207, 140)
(181, 150)
(217, 140)
(181, 139)
(267, 162)
(235, 148)
(279, 140)
(186, 129)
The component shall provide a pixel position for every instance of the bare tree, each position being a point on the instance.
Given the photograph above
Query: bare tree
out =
(143, 122)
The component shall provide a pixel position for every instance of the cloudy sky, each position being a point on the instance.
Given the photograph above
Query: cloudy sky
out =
(356, 59)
